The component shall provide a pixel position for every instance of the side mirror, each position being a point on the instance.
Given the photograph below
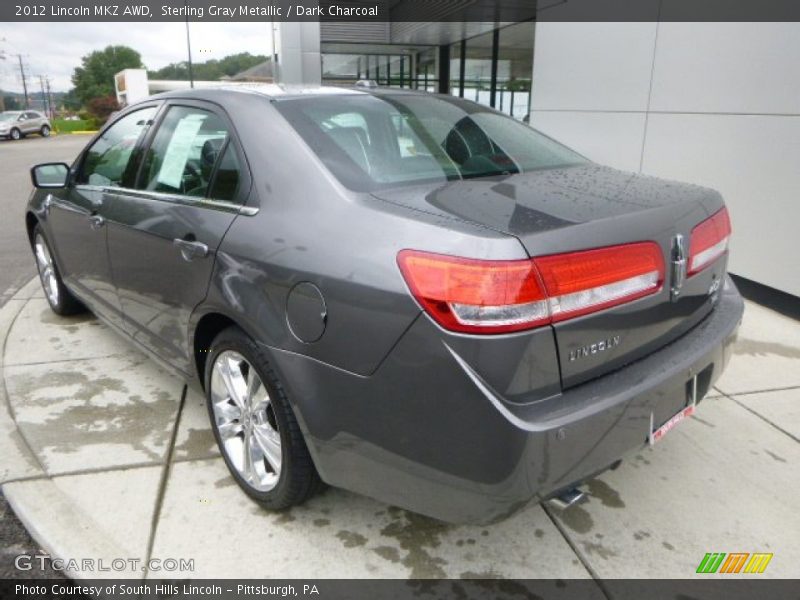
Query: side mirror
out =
(21, 118)
(50, 175)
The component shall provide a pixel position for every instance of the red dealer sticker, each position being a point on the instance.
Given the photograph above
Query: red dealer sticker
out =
(673, 421)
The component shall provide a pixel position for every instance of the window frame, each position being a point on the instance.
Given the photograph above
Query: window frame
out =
(239, 203)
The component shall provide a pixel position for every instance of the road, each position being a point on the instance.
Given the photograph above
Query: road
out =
(16, 158)
(16, 269)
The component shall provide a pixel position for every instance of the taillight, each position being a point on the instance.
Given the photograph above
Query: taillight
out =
(485, 296)
(709, 241)
(476, 296)
(584, 282)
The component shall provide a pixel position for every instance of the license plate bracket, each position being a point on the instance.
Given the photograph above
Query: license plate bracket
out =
(657, 433)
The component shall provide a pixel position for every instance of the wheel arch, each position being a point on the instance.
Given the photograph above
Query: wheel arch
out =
(208, 326)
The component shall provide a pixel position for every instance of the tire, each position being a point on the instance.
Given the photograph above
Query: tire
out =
(15, 134)
(60, 299)
(267, 419)
(45, 131)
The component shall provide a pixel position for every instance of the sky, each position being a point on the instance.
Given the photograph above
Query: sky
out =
(55, 49)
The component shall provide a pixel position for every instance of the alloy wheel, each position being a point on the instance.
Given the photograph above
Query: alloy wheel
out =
(15, 134)
(47, 270)
(245, 421)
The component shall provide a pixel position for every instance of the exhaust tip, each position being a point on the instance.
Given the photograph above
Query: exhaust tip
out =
(567, 498)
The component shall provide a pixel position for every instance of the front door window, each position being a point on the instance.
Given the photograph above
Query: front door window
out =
(108, 161)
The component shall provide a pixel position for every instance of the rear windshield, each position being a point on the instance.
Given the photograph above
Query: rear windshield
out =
(373, 142)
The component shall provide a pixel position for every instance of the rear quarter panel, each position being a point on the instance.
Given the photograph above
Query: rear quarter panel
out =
(310, 229)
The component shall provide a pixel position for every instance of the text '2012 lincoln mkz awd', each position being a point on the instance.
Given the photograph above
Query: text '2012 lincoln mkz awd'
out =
(406, 295)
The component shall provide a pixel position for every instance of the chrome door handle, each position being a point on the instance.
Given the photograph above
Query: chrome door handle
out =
(96, 221)
(191, 249)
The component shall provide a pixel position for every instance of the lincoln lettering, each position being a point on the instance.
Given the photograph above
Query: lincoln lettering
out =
(595, 348)
(69, 11)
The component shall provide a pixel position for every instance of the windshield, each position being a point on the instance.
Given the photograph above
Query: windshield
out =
(372, 142)
(9, 116)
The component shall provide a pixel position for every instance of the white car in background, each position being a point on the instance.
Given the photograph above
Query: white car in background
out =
(16, 124)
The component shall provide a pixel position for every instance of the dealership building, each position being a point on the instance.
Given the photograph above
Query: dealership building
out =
(716, 104)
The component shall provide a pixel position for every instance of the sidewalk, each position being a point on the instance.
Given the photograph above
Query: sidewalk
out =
(105, 456)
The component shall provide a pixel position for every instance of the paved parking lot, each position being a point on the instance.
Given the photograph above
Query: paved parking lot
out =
(16, 158)
(106, 456)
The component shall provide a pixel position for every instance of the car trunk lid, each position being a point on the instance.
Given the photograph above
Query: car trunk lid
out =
(580, 208)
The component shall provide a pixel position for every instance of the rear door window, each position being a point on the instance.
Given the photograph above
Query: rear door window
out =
(225, 185)
(184, 153)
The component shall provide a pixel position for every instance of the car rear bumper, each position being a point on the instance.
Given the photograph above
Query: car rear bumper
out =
(426, 433)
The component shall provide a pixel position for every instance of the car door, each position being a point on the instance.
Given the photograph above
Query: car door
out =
(163, 235)
(76, 215)
(23, 123)
(32, 122)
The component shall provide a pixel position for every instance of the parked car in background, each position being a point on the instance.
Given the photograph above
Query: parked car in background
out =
(16, 124)
(407, 295)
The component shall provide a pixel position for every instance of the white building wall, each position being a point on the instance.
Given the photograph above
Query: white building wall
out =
(716, 104)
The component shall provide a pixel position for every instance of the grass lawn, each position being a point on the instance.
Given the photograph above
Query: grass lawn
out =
(62, 126)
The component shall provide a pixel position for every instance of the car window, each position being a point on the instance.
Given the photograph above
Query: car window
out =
(226, 180)
(108, 159)
(370, 142)
(184, 152)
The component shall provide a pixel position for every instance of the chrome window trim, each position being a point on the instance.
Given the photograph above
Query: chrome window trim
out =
(209, 203)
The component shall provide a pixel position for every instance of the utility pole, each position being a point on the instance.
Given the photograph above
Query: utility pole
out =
(45, 109)
(189, 47)
(24, 79)
(50, 98)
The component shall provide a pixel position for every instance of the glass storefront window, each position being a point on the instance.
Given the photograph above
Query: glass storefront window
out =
(478, 69)
(515, 70)
(392, 70)
(345, 67)
(497, 68)
(455, 69)
(426, 76)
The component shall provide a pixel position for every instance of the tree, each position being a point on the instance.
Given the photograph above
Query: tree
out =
(95, 77)
(101, 108)
(70, 101)
(11, 103)
(211, 70)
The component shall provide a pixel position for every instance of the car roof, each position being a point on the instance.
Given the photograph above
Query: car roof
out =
(278, 92)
